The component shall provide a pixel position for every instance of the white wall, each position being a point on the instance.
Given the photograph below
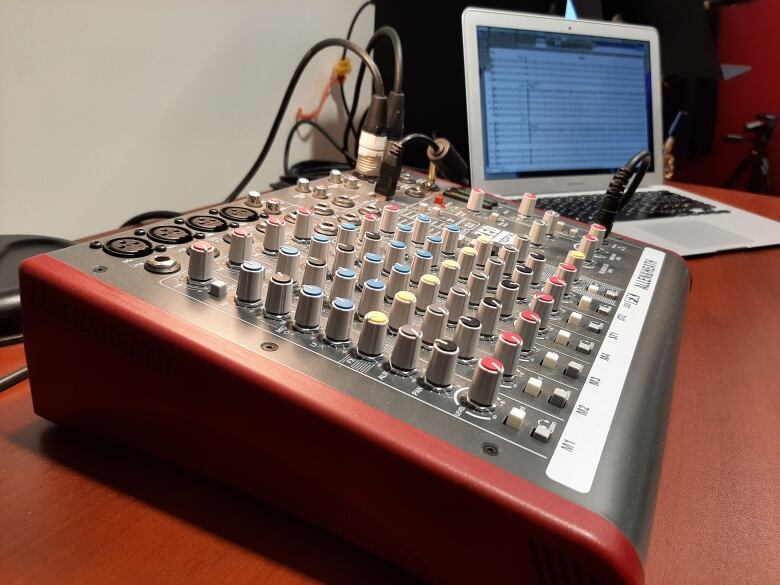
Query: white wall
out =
(113, 107)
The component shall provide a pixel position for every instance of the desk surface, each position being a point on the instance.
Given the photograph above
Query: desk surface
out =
(75, 509)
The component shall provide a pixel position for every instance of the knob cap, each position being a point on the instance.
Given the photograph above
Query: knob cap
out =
(335, 176)
(304, 224)
(483, 246)
(598, 231)
(434, 324)
(371, 342)
(427, 291)
(343, 284)
(396, 254)
(371, 268)
(467, 333)
(370, 224)
(448, 275)
(346, 234)
(344, 257)
(457, 299)
(588, 245)
(483, 390)
(441, 367)
(575, 258)
(372, 244)
(421, 227)
(314, 273)
(339, 327)
(249, 290)
(542, 305)
(372, 298)
(421, 264)
(406, 350)
(403, 233)
(398, 280)
(527, 204)
(538, 231)
(402, 310)
(450, 240)
(487, 315)
(507, 350)
(476, 199)
(303, 185)
(507, 296)
(554, 287)
(522, 276)
(201, 263)
(433, 245)
(320, 247)
(274, 234)
(527, 326)
(241, 240)
(508, 255)
(522, 243)
(279, 296)
(466, 259)
(477, 283)
(535, 261)
(309, 309)
(551, 218)
(567, 273)
(494, 268)
(288, 261)
(389, 218)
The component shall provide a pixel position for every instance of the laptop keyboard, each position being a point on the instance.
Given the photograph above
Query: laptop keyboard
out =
(643, 205)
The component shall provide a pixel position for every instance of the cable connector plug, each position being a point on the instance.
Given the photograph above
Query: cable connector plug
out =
(371, 145)
(390, 171)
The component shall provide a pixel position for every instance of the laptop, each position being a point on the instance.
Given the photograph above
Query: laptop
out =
(556, 106)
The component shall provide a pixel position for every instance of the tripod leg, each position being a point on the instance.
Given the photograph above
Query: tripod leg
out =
(741, 168)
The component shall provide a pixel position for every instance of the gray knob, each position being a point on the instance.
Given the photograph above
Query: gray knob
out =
(422, 224)
(448, 275)
(288, 261)
(403, 233)
(467, 333)
(344, 257)
(303, 185)
(483, 246)
(598, 231)
(249, 290)
(542, 305)
(347, 234)
(535, 261)
(427, 291)
(320, 192)
(527, 326)
(372, 244)
(441, 367)
(450, 239)
(398, 280)
(389, 218)
(279, 296)
(421, 264)
(554, 287)
(466, 259)
(335, 176)
(575, 258)
(309, 309)
(508, 255)
(343, 284)
(254, 199)
(567, 273)
(434, 324)
(396, 254)
(371, 342)
(304, 224)
(406, 349)
(538, 231)
(588, 245)
(507, 296)
(314, 273)
(495, 272)
(320, 247)
(274, 234)
(522, 276)
(485, 383)
(522, 243)
(476, 199)
(339, 326)
(551, 219)
(507, 350)
(527, 204)
(273, 206)
(433, 245)
(241, 240)
(372, 297)
(369, 225)
(351, 182)
(487, 315)
(201, 266)
(402, 310)
(371, 268)
(457, 299)
(476, 284)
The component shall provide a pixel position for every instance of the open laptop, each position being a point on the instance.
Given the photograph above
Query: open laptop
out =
(557, 106)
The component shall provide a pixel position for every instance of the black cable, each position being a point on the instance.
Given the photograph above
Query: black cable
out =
(352, 24)
(617, 195)
(13, 378)
(390, 33)
(418, 137)
(147, 215)
(379, 90)
(286, 160)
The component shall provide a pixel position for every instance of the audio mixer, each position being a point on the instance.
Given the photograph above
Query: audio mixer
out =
(473, 389)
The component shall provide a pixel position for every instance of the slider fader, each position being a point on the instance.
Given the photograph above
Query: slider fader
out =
(475, 390)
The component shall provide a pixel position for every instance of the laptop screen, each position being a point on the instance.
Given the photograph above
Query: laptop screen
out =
(562, 104)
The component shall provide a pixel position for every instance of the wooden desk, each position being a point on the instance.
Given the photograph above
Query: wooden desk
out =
(76, 509)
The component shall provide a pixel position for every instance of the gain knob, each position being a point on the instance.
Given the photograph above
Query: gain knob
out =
(339, 326)
(448, 275)
(537, 233)
(508, 255)
(403, 359)
(457, 299)
(567, 273)
(274, 234)
(422, 224)
(494, 268)
(370, 224)
(598, 231)
(389, 218)
(485, 383)
(476, 284)
(535, 261)
(507, 296)
(344, 257)
(314, 273)
(309, 309)
(483, 246)
(527, 326)
(487, 315)
(372, 244)
(403, 233)
(279, 296)
(522, 276)
(249, 289)
(507, 351)
(347, 234)
(433, 245)
(371, 342)
(542, 305)
(554, 287)
(441, 367)
(320, 247)
(402, 310)
(427, 291)
(522, 243)
(466, 260)
(450, 240)
(343, 284)
(434, 324)
(466, 336)
(372, 298)
(304, 224)
(588, 245)
(476, 199)
(527, 205)
(371, 268)
(421, 264)
(396, 254)
(201, 263)
(241, 240)
(288, 261)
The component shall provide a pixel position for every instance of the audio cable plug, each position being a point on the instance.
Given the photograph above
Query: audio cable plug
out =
(371, 145)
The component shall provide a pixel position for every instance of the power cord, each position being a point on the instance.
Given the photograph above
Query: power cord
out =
(617, 195)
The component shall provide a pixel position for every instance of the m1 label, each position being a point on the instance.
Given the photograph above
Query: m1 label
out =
(577, 454)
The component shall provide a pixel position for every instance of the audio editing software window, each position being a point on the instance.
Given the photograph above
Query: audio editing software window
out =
(559, 104)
